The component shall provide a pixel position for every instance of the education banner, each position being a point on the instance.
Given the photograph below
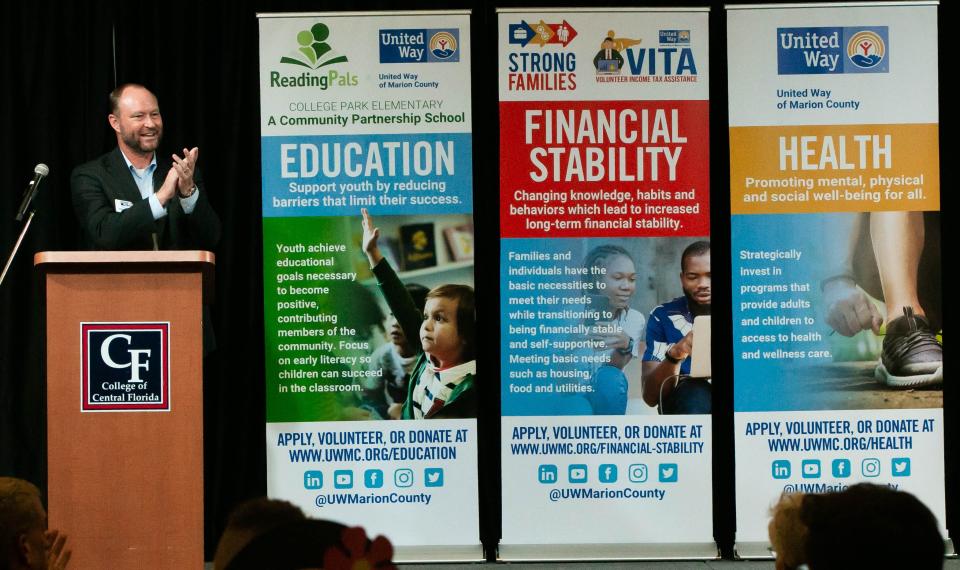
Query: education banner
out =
(604, 185)
(368, 274)
(835, 198)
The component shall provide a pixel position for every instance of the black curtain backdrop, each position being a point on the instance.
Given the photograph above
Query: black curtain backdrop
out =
(60, 59)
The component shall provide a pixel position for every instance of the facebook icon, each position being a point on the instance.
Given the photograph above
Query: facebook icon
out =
(607, 473)
(840, 468)
(373, 478)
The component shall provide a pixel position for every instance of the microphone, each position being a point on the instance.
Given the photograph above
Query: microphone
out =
(39, 172)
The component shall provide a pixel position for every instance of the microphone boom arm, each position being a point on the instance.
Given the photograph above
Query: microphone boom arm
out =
(39, 172)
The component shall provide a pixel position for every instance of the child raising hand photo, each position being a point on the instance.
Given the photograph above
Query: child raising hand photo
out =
(443, 381)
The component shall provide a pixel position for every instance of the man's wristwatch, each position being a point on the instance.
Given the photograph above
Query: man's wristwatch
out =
(188, 194)
(670, 358)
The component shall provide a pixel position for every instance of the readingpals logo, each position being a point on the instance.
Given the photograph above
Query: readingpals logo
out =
(125, 367)
(314, 52)
(821, 50)
(420, 45)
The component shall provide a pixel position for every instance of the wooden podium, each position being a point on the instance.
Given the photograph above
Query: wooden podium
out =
(125, 405)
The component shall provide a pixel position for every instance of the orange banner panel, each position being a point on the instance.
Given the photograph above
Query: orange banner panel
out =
(834, 168)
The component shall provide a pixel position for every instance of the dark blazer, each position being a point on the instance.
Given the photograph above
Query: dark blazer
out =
(95, 187)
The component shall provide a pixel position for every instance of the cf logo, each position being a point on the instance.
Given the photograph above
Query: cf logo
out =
(136, 355)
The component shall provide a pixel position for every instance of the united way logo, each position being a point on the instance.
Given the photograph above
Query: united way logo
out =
(866, 49)
(829, 50)
(125, 366)
(420, 45)
(443, 44)
(674, 37)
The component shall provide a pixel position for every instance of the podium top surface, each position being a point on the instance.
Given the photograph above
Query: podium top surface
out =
(49, 259)
(114, 262)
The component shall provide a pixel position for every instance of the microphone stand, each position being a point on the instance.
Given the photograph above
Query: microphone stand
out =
(27, 199)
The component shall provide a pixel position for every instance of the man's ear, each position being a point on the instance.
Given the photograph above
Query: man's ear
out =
(114, 122)
(23, 548)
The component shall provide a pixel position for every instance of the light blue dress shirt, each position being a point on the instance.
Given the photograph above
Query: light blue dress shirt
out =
(144, 181)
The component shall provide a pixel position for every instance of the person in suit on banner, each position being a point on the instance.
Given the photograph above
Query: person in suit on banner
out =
(133, 199)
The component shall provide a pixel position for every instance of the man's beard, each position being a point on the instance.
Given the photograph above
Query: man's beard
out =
(132, 140)
(696, 307)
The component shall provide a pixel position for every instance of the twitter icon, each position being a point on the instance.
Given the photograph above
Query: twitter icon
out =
(900, 466)
(433, 477)
(668, 472)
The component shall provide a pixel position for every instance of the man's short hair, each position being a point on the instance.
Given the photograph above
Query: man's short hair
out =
(695, 249)
(18, 513)
(871, 526)
(263, 514)
(249, 520)
(117, 93)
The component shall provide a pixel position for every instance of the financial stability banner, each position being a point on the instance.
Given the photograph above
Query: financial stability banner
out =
(604, 184)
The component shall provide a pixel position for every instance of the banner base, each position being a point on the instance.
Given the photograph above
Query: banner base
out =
(752, 551)
(607, 552)
(430, 554)
(761, 550)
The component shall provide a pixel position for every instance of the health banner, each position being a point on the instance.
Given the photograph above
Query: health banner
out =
(368, 274)
(605, 263)
(835, 199)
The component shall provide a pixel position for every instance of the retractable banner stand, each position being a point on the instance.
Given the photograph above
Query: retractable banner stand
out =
(835, 196)
(371, 111)
(603, 184)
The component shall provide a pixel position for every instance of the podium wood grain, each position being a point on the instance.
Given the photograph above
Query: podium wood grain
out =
(127, 487)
